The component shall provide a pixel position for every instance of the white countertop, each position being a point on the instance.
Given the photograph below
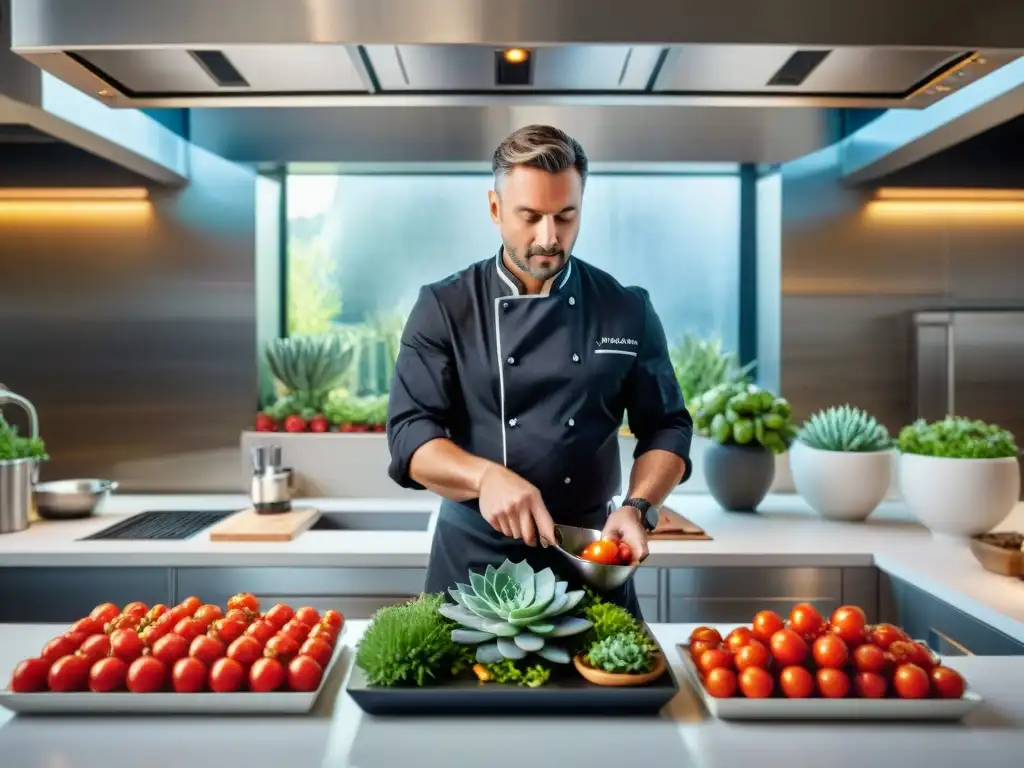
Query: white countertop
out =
(337, 733)
(783, 533)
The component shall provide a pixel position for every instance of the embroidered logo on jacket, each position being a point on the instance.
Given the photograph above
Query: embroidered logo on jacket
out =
(618, 341)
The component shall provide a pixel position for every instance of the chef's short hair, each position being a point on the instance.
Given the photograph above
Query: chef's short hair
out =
(539, 146)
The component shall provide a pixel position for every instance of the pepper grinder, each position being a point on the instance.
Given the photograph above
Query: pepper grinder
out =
(271, 483)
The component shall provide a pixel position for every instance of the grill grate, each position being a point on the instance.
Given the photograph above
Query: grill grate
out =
(171, 524)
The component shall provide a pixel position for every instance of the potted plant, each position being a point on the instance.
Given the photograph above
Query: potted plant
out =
(623, 659)
(841, 462)
(748, 426)
(19, 466)
(959, 477)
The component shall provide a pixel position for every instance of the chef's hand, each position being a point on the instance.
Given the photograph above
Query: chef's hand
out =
(514, 506)
(624, 524)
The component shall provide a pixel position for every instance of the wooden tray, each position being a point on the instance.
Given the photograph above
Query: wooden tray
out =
(674, 527)
(780, 708)
(248, 525)
(1005, 562)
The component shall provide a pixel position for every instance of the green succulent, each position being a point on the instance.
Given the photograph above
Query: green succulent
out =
(701, 364)
(309, 367)
(510, 611)
(956, 437)
(623, 653)
(744, 414)
(846, 429)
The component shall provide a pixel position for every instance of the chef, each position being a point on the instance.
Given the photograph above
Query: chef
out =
(512, 379)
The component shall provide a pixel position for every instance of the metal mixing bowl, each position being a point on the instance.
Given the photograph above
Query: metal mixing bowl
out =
(601, 577)
(71, 499)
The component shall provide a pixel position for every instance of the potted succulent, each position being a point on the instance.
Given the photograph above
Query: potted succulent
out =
(841, 462)
(748, 427)
(959, 477)
(623, 659)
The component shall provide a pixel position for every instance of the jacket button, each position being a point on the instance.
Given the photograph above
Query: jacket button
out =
(513, 422)
(568, 480)
(571, 422)
(572, 301)
(504, 305)
(511, 361)
(575, 358)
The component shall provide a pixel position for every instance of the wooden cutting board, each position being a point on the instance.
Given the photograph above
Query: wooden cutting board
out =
(674, 527)
(247, 525)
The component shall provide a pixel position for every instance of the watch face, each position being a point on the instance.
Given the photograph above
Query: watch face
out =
(651, 518)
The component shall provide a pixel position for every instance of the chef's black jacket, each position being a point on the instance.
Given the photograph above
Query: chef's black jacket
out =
(538, 383)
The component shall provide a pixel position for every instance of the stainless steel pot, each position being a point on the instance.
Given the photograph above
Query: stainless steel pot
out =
(17, 476)
(72, 499)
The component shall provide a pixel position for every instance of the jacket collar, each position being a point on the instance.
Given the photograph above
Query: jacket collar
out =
(512, 285)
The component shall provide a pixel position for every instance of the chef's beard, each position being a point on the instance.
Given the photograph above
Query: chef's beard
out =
(537, 271)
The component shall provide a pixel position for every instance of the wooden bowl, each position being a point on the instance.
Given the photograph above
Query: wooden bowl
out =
(620, 679)
(1002, 560)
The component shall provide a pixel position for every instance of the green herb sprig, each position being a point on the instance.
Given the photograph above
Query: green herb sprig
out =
(13, 446)
(956, 437)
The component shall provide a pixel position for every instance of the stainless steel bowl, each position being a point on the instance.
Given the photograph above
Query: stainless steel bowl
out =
(601, 577)
(71, 499)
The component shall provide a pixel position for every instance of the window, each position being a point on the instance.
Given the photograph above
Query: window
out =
(360, 247)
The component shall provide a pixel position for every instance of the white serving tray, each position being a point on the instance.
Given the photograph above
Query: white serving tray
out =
(241, 703)
(779, 708)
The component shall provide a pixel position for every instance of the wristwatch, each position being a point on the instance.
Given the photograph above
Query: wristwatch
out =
(648, 514)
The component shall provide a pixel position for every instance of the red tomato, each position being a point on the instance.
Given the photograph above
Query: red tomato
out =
(947, 683)
(282, 647)
(146, 674)
(870, 685)
(169, 648)
(870, 658)
(756, 683)
(108, 675)
(95, 648)
(207, 614)
(796, 683)
(245, 650)
(135, 609)
(766, 624)
(307, 616)
(161, 626)
(227, 630)
(29, 676)
(924, 656)
(126, 644)
(320, 651)
(69, 673)
(712, 659)
(721, 683)
(625, 553)
(105, 612)
(788, 648)
(56, 648)
(833, 683)
(279, 615)
(76, 639)
(262, 630)
(753, 654)
(884, 635)
(333, 619)
(697, 647)
(87, 626)
(244, 601)
(602, 552)
(188, 675)
(321, 630)
(910, 682)
(124, 621)
(206, 649)
(226, 676)
(296, 630)
(738, 638)
(830, 651)
(237, 614)
(849, 622)
(190, 605)
(706, 634)
(189, 629)
(266, 675)
(156, 612)
(304, 674)
(805, 620)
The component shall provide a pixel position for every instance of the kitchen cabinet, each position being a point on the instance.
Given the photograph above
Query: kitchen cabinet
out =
(35, 595)
(947, 630)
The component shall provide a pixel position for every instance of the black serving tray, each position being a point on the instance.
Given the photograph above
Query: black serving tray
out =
(566, 693)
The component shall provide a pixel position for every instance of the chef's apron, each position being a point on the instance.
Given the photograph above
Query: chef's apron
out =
(463, 542)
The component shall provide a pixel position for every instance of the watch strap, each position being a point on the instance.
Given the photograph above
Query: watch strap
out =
(647, 514)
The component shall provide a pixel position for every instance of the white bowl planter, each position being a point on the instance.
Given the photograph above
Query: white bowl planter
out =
(959, 497)
(841, 485)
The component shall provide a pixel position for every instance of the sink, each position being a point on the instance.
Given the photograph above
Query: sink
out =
(372, 521)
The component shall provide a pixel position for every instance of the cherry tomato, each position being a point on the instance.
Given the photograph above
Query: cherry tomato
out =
(237, 614)
(805, 620)
(56, 648)
(190, 605)
(304, 674)
(333, 619)
(910, 682)
(105, 612)
(76, 639)
(625, 553)
(189, 629)
(226, 676)
(296, 630)
(830, 651)
(69, 673)
(706, 634)
(124, 621)
(162, 625)
(766, 624)
(756, 683)
(281, 647)
(279, 615)
(244, 601)
(869, 658)
(126, 644)
(307, 616)
(721, 683)
(602, 551)
(169, 648)
(188, 675)
(266, 675)
(833, 683)
(319, 651)
(849, 622)
(697, 647)
(206, 649)
(227, 630)
(95, 648)
(108, 675)
(156, 612)
(947, 683)
(711, 659)
(87, 626)
(738, 638)
(146, 674)
(870, 685)
(753, 654)
(29, 676)
(796, 683)
(245, 650)
(135, 609)
(321, 630)
(788, 648)
(207, 614)
(924, 656)
(262, 630)
(884, 635)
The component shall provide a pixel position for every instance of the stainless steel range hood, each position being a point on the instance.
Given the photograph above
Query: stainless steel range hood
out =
(821, 53)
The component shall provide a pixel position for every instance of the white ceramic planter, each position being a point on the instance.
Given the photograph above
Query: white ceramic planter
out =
(841, 485)
(959, 497)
